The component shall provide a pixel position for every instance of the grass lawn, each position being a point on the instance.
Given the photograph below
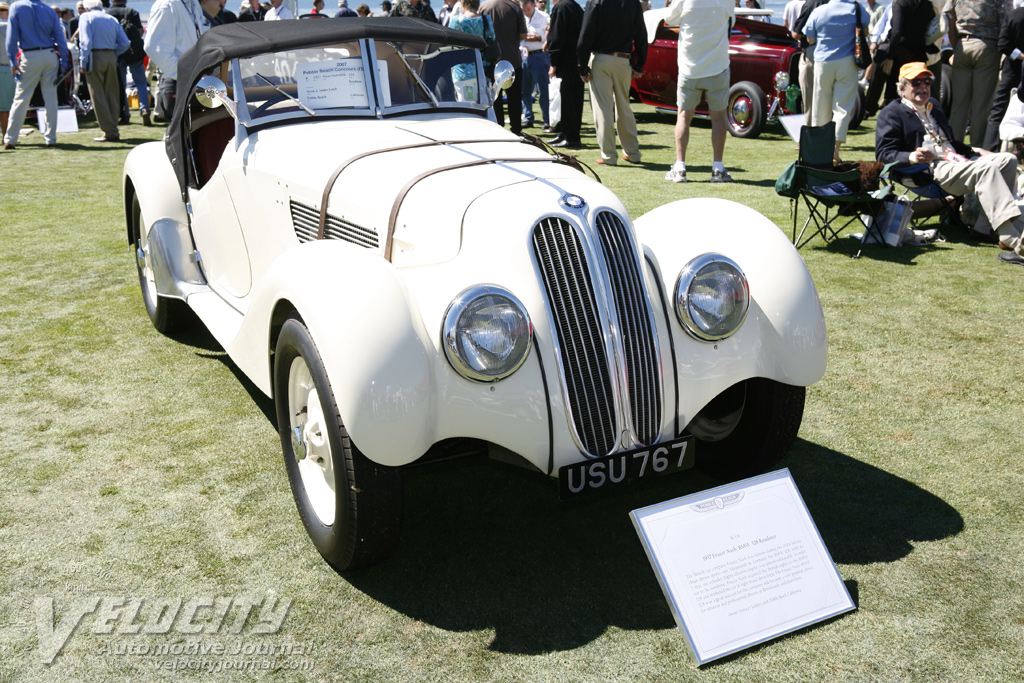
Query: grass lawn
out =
(141, 476)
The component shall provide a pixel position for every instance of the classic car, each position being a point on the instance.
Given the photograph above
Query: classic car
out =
(763, 68)
(334, 201)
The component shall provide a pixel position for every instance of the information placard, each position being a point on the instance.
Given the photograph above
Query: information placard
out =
(332, 83)
(741, 564)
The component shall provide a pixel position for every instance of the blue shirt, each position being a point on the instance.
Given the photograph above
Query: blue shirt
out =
(98, 30)
(832, 25)
(32, 24)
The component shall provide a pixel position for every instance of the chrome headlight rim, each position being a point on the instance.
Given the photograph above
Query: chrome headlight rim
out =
(781, 80)
(449, 332)
(687, 276)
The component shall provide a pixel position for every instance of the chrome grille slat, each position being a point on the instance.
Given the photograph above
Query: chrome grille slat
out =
(306, 221)
(573, 302)
(643, 376)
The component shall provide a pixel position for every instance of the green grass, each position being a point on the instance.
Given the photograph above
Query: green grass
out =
(132, 464)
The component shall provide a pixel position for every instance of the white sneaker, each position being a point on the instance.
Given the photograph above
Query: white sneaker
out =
(676, 174)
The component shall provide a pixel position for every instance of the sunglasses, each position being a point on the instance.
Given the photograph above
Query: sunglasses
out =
(920, 81)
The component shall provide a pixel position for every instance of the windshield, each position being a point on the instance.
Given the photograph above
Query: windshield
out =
(332, 79)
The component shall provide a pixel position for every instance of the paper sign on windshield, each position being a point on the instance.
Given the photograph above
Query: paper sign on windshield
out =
(329, 84)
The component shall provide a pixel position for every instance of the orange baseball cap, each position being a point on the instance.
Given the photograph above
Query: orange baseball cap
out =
(912, 70)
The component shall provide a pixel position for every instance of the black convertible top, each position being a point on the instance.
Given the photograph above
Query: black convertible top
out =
(245, 39)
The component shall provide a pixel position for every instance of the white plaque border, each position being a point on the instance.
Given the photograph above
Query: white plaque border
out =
(723, 493)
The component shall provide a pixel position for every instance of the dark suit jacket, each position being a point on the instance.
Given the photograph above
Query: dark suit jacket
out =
(563, 34)
(899, 132)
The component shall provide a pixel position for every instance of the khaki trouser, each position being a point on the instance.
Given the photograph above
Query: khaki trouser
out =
(835, 94)
(38, 67)
(807, 85)
(992, 177)
(973, 83)
(609, 96)
(105, 91)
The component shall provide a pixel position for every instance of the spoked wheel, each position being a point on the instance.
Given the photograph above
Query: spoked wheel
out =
(351, 507)
(168, 315)
(747, 428)
(745, 111)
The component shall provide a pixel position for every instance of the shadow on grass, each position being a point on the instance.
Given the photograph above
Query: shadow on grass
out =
(485, 546)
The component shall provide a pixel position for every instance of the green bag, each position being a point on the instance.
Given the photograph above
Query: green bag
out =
(787, 185)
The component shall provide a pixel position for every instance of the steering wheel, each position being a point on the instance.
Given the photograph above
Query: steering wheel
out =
(268, 104)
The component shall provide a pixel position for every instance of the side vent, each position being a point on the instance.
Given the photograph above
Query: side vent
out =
(306, 221)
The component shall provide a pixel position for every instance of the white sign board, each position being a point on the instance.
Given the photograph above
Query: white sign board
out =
(334, 83)
(793, 123)
(741, 564)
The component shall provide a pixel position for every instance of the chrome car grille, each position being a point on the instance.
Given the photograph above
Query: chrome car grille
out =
(306, 221)
(583, 346)
(640, 353)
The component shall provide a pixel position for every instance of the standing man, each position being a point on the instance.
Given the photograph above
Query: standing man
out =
(174, 26)
(6, 77)
(974, 35)
(417, 9)
(344, 10)
(613, 49)
(535, 68)
(278, 12)
(509, 28)
(254, 12)
(1011, 45)
(563, 35)
(36, 31)
(131, 60)
(102, 40)
(806, 73)
(445, 15)
(703, 52)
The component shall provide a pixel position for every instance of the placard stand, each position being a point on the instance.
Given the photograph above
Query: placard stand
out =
(741, 564)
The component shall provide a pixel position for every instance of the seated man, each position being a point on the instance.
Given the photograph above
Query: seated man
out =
(914, 130)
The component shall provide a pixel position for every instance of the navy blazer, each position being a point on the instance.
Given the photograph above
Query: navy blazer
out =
(899, 132)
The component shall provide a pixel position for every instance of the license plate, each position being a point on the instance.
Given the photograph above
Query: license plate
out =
(608, 471)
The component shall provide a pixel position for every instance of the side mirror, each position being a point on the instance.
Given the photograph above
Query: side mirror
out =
(211, 93)
(504, 76)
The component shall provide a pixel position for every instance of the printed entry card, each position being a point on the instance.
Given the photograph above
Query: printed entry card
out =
(333, 83)
(741, 564)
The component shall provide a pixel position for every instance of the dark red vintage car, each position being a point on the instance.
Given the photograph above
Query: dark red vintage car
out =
(763, 64)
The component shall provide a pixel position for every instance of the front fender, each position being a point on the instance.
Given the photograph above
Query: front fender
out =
(783, 337)
(149, 174)
(370, 336)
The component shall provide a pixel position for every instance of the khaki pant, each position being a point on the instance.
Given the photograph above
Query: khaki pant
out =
(835, 94)
(609, 97)
(992, 177)
(105, 91)
(973, 85)
(38, 67)
(807, 85)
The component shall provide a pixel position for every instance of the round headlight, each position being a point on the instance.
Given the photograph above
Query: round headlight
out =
(781, 80)
(712, 296)
(487, 333)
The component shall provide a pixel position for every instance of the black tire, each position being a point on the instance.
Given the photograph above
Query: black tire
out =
(366, 497)
(746, 110)
(747, 428)
(168, 315)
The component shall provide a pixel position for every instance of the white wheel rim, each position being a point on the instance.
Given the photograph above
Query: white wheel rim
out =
(311, 443)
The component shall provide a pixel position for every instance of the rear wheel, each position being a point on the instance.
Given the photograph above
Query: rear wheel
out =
(168, 315)
(747, 428)
(745, 111)
(351, 507)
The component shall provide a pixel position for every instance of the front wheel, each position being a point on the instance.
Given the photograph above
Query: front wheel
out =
(747, 429)
(745, 111)
(351, 507)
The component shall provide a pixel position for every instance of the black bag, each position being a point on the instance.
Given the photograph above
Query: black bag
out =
(135, 52)
(861, 52)
(492, 53)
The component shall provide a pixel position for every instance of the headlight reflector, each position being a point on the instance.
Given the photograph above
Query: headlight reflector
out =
(487, 333)
(781, 80)
(712, 296)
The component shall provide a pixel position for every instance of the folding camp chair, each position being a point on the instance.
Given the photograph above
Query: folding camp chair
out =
(917, 185)
(834, 199)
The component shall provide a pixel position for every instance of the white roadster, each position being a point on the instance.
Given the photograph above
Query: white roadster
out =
(335, 203)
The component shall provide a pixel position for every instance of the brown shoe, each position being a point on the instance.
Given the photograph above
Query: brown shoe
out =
(603, 162)
(632, 161)
(146, 120)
